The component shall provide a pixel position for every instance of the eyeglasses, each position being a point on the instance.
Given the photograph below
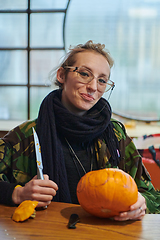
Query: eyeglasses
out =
(86, 76)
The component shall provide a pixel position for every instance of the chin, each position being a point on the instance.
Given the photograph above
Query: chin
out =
(86, 108)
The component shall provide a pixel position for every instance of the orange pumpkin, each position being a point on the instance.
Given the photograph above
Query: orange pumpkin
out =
(25, 210)
(106, 192)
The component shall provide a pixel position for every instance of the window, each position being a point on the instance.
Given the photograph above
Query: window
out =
(31, 44)
(34, 35)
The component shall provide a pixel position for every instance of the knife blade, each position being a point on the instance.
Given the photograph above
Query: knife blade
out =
(38, 155)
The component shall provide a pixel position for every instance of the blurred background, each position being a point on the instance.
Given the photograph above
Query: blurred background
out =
(35, 34)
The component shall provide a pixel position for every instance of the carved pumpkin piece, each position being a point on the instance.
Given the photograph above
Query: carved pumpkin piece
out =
(106, 192)
(25, 210)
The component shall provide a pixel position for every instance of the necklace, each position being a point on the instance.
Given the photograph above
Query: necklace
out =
(78, 160)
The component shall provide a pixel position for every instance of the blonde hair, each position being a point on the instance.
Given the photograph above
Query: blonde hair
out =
(70, 57)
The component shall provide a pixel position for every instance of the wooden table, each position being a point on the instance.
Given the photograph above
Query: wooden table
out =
(51, 223)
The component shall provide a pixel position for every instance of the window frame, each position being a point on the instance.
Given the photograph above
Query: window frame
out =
(28, 48)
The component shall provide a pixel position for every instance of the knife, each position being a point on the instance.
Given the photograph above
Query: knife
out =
(38, 155)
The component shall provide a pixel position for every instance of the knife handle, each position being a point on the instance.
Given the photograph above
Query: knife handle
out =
(39, 174)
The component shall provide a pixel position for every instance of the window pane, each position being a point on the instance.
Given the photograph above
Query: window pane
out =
(48, 4)
(13, 4)
(42, 62)
(46, 29)
(13, 103)
(37, 95)
(130, 30)
(13, 67)
(13, 30)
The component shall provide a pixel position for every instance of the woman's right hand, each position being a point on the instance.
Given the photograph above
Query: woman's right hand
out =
(36, 190)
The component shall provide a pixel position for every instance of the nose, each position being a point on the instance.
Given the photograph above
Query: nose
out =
(92, 85)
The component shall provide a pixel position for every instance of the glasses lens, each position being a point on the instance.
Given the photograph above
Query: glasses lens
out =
(109, 85)
(85, 74)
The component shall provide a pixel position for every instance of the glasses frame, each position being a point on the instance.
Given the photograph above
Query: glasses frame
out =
(109, 82)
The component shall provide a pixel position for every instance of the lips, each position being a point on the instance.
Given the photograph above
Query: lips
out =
(87, 97)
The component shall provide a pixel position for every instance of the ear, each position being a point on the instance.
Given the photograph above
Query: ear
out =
(61, 75)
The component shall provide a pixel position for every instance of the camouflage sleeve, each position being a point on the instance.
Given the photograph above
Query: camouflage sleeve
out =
(5, 160)
(17, 160)
(131, 163)
(17, 156)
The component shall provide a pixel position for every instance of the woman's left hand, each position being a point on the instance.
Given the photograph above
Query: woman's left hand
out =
(136, 212)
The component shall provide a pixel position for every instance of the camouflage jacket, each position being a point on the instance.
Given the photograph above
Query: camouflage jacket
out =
(18, 161)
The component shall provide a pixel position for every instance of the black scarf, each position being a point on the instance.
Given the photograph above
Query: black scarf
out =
(55, 120)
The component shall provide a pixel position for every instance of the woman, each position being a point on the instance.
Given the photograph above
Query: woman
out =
(74, 127)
